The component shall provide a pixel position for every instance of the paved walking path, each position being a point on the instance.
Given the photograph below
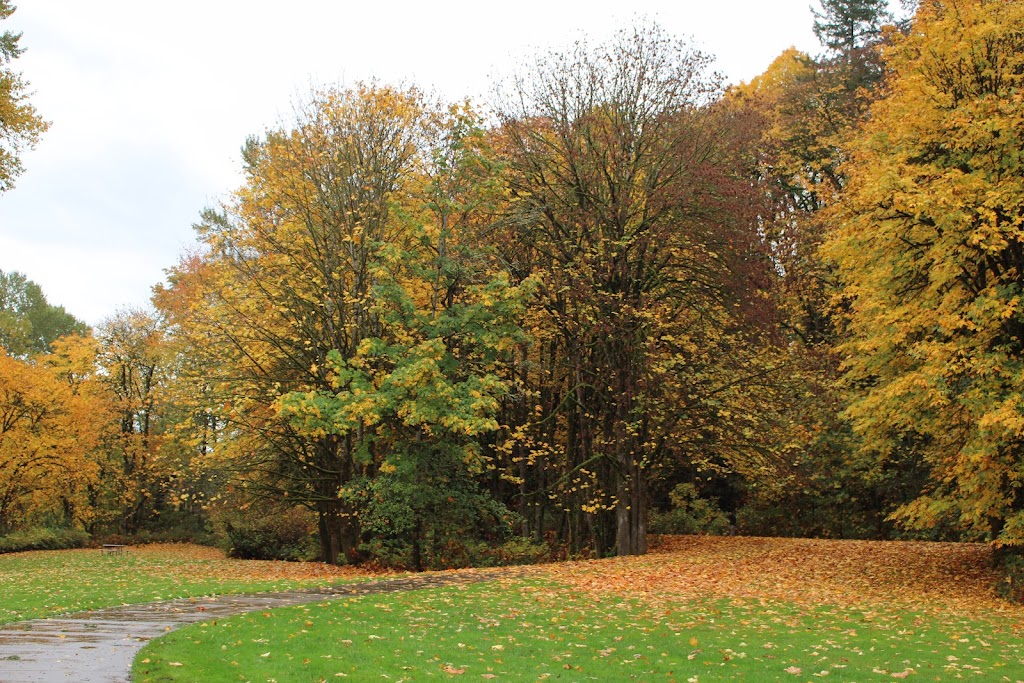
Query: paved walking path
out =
(98, 646)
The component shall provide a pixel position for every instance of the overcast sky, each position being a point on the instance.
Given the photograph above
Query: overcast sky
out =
(150, 103)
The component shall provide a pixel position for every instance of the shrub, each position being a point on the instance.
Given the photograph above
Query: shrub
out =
(284, 534)
(517, 550)
(144, 536)
(690, 514)
(427, 512)
(387, 552)
(450, 553)
(1011, 565)
(43, 538)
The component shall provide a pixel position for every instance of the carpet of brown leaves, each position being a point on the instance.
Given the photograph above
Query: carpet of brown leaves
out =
(922, 576)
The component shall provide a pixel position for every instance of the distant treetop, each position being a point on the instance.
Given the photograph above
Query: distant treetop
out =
(843, 26)
(28, 323)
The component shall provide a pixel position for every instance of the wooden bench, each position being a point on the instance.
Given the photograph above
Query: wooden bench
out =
(113, 549)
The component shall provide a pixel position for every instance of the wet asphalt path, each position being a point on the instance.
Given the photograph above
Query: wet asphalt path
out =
(99, 646)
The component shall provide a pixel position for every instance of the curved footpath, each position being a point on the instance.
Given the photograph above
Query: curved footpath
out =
(99, 646)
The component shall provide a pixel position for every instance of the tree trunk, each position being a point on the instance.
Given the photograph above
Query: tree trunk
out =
(348, 538)
(417, 550)
(329, 546)
(631, 514)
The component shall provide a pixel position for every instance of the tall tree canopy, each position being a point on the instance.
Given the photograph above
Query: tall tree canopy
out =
(930, 248)
(20, 125)
(805, 110)
(628, 206)
(137, 366)
(339, 321)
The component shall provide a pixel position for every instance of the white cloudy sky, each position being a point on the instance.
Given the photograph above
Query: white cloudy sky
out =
(151, 101)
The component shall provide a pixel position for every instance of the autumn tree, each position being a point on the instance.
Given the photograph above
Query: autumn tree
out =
(138, 364)
(418, 393)
(54, 423)
(289, 289)
(20, 125)
(627, 208)
(929, 249)
(806, 108)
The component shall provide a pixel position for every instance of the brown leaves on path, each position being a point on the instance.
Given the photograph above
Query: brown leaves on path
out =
(925, 576)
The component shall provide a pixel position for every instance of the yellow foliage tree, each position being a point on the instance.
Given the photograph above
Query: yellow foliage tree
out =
(629, 206)
(138, 365)
(53, 424)
(930, 248)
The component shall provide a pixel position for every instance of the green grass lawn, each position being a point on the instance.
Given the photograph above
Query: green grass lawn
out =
(44, 583)
(532, 631)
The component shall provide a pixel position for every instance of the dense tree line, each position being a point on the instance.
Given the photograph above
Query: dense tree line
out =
(625, 298)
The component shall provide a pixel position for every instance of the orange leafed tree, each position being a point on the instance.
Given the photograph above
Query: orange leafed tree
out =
(54, 420)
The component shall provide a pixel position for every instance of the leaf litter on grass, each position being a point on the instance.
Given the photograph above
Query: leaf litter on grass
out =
(537, 630)
(697, 609)
(908, 595)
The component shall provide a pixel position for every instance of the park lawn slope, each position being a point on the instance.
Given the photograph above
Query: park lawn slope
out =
(44, 583)
(534, 630)
(704, 609)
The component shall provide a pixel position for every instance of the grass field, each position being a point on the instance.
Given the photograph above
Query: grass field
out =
(44, 583)
(699, 609)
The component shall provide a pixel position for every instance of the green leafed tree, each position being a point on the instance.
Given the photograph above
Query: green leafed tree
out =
(342, 326)
(285, 280)
(29, 324)
(930, 248)
(419, 393)
(20, 124)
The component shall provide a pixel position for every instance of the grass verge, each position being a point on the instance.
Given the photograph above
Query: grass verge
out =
(536, 630)
(45, 583)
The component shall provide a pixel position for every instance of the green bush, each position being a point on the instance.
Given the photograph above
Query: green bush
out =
(42, 538)
(387, 552)
(450, 553)
(427, 512)
(690, 514)
(1011, 565)
(178, 526)
(517, 550)
(271, 535)
(143, 537)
